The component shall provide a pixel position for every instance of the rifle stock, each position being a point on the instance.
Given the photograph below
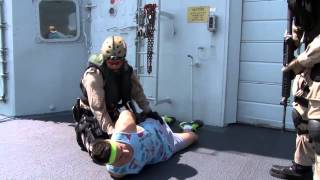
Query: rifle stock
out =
(288, 56)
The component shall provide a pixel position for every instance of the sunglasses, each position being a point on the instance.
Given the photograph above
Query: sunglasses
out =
(114, 58)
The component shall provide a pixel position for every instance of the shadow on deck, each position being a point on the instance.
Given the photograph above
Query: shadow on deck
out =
(44, 147)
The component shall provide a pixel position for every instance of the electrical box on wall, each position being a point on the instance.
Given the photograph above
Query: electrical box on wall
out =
(212, 20)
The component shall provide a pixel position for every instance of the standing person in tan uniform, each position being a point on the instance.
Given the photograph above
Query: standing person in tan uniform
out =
(306, 91)
(108, 85)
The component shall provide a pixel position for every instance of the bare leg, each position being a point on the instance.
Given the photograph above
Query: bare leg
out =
(189, 137)
(316, 174)
(183, 140)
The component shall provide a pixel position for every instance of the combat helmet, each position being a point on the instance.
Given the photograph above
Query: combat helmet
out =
(113, 48)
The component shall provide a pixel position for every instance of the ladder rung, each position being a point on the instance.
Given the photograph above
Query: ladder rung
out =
(146, 75)
(4, 76)
(145, 53)
(151, 98)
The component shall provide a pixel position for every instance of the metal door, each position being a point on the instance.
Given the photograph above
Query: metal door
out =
(263, 26)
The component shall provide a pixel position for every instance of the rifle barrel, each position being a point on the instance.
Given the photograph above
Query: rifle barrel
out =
(288, 56)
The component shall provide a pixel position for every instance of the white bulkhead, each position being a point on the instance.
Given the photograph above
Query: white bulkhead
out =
(195, 64)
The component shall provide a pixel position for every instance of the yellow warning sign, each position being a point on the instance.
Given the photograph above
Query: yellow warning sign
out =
(198, 14)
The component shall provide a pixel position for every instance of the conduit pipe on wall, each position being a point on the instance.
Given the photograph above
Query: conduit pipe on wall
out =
(197, 65)
(3, 54)
(191, 90)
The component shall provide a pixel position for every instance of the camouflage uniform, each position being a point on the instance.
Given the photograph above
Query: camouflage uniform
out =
(306, 92)
(304, 154)
(94, 84)
(103, 87)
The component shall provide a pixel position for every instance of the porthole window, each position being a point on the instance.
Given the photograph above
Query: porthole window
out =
(58, 20)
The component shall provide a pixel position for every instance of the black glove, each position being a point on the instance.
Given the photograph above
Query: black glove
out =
(154, 115)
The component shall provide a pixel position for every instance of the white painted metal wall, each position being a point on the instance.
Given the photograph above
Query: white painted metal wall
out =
(263, 26)
(43, 77)
(205, 98)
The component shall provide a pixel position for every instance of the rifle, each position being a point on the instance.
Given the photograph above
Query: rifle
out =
(288, 56)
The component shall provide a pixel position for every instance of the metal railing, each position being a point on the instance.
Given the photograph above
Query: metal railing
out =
(3, 55)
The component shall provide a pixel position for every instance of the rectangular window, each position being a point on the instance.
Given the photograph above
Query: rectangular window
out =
(59, 20)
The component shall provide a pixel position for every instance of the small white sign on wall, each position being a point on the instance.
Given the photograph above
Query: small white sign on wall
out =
(198, 14)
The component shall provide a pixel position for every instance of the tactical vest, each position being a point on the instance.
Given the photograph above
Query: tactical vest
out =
(117, 86)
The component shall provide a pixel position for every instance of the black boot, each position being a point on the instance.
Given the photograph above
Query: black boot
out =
(295, 171)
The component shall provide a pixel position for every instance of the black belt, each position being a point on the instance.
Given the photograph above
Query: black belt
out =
(302, 101)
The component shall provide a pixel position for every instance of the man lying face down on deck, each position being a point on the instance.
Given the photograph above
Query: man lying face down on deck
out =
(133, 146)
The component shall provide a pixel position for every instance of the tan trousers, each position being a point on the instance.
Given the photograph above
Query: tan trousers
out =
(316, 174)
(305, 155)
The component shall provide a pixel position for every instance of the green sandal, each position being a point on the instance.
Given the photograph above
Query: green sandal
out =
(168, 119)
(193, 125)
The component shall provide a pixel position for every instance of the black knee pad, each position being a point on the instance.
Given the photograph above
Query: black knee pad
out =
(300, 125)
(314, 133)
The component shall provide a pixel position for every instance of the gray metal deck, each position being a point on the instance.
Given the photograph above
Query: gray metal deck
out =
(44, 147)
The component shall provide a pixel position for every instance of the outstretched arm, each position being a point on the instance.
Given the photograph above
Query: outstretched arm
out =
(126, 123)
(93, 83)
